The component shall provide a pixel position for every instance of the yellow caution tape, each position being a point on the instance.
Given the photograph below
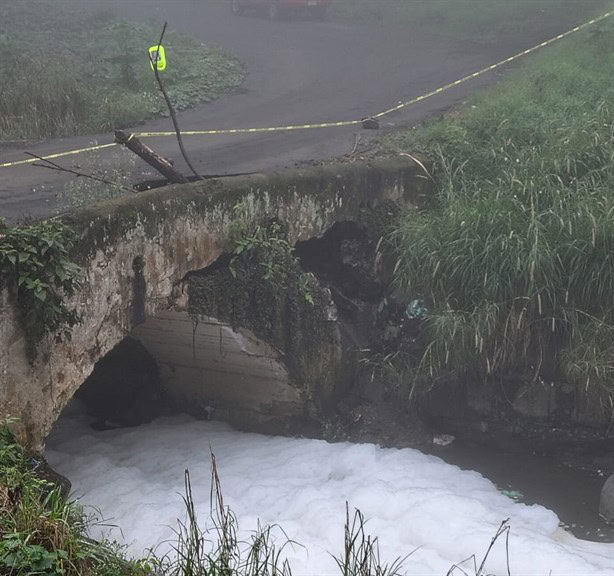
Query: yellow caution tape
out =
(494, 66)
(58, 155)
(250, 130)
(332, 124)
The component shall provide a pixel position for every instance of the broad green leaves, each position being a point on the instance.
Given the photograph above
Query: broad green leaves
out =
(36, 259)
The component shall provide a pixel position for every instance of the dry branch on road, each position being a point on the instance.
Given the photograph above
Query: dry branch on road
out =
(161, 164)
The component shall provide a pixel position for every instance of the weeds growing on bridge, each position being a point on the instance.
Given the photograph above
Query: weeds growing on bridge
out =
(115, 172)
(515, 256)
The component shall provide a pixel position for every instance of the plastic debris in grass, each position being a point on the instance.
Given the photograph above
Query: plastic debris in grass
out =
(416, 309)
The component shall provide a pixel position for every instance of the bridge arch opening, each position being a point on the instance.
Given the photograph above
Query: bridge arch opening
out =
(173, 363)
(207, 356)
(124, 389)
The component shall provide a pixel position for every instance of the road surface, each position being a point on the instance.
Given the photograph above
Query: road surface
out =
(298, 72)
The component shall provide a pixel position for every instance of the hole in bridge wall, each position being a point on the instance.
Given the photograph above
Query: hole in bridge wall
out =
(124, 388)
(171, 364)
(371, 320)
(344, 259)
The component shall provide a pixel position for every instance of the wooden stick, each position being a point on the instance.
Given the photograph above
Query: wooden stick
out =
(144, 152)
(171, 108)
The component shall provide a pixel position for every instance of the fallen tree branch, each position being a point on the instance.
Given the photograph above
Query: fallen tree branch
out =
(171, 108)
(144, 152)
(53, 166)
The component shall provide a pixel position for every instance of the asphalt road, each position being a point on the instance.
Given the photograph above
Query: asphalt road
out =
(298, 72)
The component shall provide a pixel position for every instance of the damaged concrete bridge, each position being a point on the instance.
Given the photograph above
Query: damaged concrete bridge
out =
(167, 276)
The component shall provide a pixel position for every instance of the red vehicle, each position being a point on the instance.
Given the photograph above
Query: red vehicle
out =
(275, 8)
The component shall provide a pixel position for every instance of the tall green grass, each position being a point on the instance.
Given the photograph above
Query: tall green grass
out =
(515, 254)
(219, 551)
(42, 534)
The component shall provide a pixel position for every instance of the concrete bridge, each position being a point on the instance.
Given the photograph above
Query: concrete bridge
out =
(149, 260)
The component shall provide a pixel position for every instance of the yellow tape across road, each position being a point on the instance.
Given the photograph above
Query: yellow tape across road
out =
(495, 66)
(331, 124)
(58, 155)
(251, 130)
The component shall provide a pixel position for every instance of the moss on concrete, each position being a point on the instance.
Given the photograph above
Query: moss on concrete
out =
(265, 290)
(105, 224)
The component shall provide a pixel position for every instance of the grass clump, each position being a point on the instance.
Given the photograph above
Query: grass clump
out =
(114, 181)
(361, 555)
(515, 255)
(77, 73)
(43, 534)
(218, 551)
(194, 554)
(467, 19)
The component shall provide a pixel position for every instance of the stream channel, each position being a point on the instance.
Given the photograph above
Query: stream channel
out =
(439, 512)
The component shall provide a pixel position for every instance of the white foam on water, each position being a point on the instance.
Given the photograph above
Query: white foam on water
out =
(413, 502)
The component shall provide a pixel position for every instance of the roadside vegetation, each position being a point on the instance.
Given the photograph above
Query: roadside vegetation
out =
(43, 534)
(73, 73)
(467, 19)
(114, 181)
(514, 256)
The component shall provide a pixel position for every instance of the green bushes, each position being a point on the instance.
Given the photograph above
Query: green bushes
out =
(515, 255)
(68, 73)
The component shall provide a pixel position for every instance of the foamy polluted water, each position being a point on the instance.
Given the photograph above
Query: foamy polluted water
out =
(413, 502)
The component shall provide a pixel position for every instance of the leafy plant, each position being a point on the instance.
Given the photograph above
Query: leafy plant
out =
(36, 259)
(18, 555)
(268, 248)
